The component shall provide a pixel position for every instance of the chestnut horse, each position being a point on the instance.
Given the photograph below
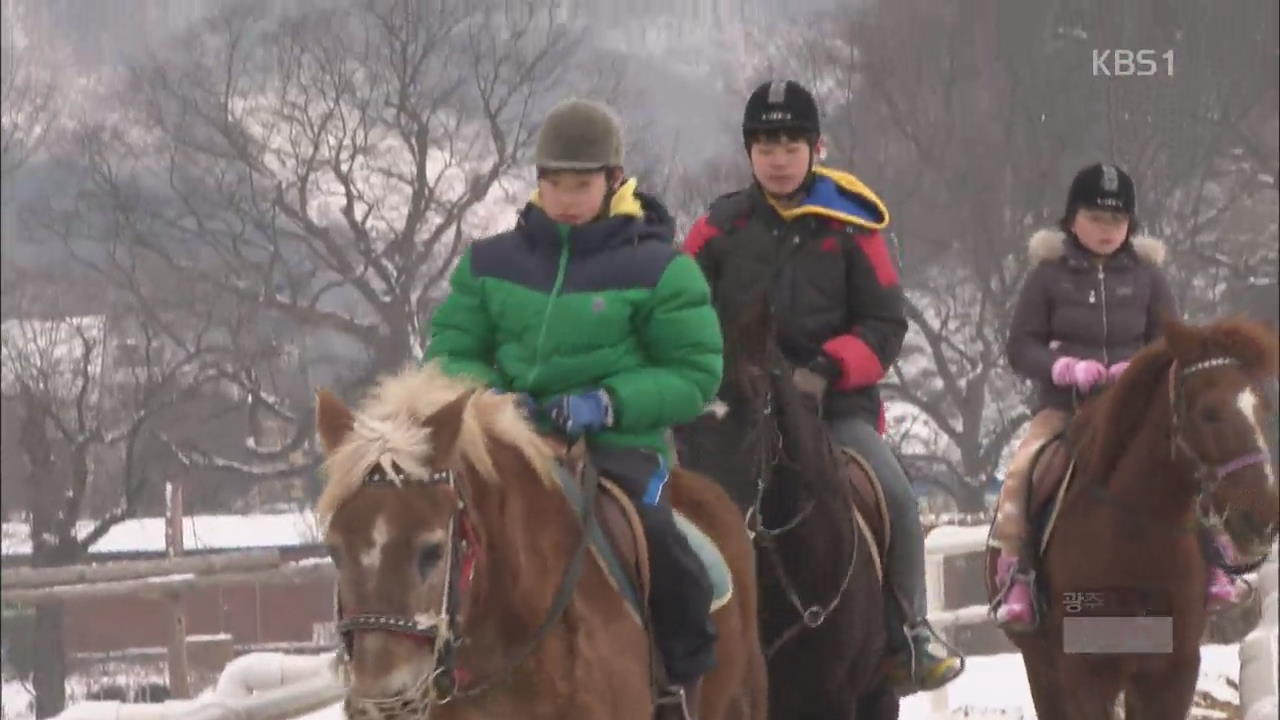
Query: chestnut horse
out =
(462, 588)
(822, 607)
(1185, 437)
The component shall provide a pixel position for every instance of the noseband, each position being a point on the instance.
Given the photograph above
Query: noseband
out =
(442, 685)
(1208, 475)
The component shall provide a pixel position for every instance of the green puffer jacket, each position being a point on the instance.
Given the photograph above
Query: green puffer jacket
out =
(547, 309)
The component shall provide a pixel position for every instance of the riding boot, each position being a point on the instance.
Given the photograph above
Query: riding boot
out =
(679, 702)
(1223, 591)
(1014, 606)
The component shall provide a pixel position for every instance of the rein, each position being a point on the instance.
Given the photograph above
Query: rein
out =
(1207, 475)
(811, 616)
(441, 686)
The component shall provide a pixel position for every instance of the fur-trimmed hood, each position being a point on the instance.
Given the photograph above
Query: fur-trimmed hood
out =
(1050, 244)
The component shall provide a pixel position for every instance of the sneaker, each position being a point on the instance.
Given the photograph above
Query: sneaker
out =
(920, 667)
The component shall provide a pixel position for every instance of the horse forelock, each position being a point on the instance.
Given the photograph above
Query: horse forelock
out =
(394, 426)
(1251, 344)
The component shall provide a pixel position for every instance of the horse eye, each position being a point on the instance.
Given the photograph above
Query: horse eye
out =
(1210, 415)
(428, 558)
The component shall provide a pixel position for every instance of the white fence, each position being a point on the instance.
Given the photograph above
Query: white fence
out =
(258, 686)
(1259, 651)
(272, 686)
(941, 543)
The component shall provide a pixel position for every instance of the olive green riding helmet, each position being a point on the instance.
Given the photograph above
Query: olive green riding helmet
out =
(579, 135)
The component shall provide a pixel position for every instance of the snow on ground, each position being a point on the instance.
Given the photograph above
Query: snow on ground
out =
(992, 688)
(200, 532)
(17, 699)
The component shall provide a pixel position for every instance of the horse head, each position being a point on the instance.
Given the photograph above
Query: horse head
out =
(761, 424)
(418, 516)
(1222, 390)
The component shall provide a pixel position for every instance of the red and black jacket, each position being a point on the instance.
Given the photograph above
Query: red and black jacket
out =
(832, 283)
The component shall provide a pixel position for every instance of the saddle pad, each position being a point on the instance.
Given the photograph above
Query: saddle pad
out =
(712, 560)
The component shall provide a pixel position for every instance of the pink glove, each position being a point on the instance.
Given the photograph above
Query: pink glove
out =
(1083, 374)
(1115, 371)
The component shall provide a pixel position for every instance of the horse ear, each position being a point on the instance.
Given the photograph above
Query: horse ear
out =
(333, 420)
(1183, 341)
(446, 423)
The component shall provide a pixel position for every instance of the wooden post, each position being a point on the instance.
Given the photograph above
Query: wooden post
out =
(179, 679)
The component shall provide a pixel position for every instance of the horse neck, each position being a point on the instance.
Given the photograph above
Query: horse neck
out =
(1148, 476)
(530, 535)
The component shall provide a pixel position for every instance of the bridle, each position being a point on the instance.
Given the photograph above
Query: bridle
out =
(810, 616)
(1208, 475)
(443, 684)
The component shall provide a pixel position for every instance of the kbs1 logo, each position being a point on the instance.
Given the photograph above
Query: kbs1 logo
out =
(1132, 63)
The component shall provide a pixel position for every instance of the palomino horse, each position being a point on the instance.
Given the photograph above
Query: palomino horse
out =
(462, 588)
(1180, 439)
(821, 605)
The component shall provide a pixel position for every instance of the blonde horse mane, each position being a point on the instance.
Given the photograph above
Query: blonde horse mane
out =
(390, 427)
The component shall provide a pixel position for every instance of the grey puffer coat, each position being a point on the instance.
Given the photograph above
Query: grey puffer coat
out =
(1074, 303)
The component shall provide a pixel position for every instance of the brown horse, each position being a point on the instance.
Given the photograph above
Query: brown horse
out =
(462, 587)
(822, 607)
(1180, 440)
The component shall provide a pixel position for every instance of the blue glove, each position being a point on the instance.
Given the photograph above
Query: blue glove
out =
(577, 414)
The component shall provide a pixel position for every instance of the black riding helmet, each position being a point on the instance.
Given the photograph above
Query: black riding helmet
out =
(781, 107)
(1102, 186)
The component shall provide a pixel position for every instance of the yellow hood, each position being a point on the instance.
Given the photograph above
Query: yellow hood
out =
(623, 202)
(840, 196)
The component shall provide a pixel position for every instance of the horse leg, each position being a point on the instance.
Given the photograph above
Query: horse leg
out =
(1042, 679)
(1089, 691)
(1154, 696)
(879, 704)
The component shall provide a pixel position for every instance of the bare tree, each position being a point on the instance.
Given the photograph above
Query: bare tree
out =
(311, 179)
(27, 106)
(970, 121)
(83, 418)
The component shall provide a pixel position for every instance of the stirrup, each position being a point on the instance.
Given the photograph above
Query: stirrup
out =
(1244, 590)
(1029, 575)
(923, 629)
(673, 702)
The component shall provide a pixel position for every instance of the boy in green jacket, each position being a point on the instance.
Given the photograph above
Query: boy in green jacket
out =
(590, 309)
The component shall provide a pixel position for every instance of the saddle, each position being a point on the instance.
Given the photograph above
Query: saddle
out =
(870, 511)
(1052, 471)
(1051, 475)
(617, 540)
